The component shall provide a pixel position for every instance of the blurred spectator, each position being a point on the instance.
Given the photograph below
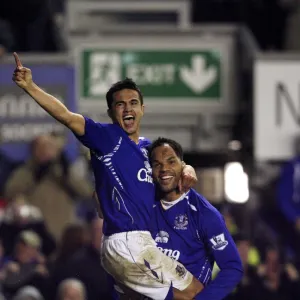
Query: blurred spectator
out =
(288, 199)
(74, 238)
(3, 261)
(20, 216)
(78, 258)
(48, 182)
(279, 280)
(246, 288)
(96, 228)
(71, 289)
(3, 205)
(235, 231)
(26, 266)
(28, 293)
(229, 220)
(244, 247)
(6, 168)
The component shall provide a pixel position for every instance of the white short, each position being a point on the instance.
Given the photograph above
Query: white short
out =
(133, 259)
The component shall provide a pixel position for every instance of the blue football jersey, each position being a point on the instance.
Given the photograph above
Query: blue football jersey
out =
(193, 232)
(123, 177)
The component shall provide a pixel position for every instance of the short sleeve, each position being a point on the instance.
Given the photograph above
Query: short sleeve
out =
(97, 136)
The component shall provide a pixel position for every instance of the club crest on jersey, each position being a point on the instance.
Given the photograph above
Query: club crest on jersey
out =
(162, 237)
(219, 242)
(181, 222)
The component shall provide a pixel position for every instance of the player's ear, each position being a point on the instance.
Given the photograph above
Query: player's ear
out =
(183, 164)
(109, 113)
(143, 108)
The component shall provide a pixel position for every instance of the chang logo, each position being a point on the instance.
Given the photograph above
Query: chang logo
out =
(175, 254)
(145, 174)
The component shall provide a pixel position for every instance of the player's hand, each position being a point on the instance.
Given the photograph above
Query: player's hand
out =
(22, 76)
(188, 178)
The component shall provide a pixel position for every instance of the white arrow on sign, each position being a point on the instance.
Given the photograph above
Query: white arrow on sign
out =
(198, 77)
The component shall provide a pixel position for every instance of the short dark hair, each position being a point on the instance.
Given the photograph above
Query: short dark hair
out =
(127, 83)
(161, 141)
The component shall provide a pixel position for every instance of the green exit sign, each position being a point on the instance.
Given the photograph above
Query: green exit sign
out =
(193, 75)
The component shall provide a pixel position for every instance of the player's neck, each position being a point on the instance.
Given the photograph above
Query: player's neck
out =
(134, 137)
(172, 196)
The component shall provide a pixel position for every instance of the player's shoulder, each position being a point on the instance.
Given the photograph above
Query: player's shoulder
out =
(144, 142)
(100, 125)
(205, 209)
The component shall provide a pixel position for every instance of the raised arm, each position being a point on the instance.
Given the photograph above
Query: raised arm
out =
(23, 78)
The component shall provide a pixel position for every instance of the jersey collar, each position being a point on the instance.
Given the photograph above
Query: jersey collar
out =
(167, 204)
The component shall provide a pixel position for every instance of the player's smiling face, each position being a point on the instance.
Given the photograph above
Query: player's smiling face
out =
(127, 111)
(167, 168)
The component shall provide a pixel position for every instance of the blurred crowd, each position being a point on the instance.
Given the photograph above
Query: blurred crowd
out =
(270, 245)
(50, 234)
(39, 25)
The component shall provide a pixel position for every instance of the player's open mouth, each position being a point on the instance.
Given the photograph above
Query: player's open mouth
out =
(128, 120)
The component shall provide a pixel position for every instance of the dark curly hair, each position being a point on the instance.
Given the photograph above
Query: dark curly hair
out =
(161, 141)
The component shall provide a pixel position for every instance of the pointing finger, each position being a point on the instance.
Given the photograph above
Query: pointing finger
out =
(17, 60)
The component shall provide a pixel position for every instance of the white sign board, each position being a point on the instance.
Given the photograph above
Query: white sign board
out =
(276, 109)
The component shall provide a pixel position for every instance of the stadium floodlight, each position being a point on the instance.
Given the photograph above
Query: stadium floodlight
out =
(236, 184)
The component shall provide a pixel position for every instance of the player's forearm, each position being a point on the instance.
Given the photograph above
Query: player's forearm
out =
(57, 109)
(49, 103)
(223, 285)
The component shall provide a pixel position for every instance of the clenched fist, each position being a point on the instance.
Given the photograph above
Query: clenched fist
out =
(22, 76)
